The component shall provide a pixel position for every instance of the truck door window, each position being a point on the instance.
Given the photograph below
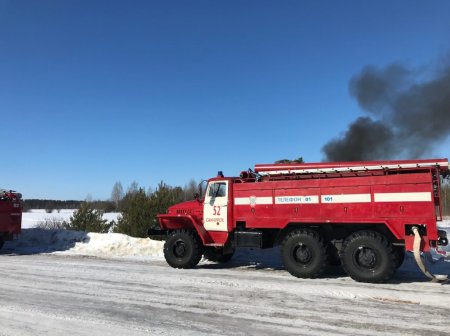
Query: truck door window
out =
(218, 189)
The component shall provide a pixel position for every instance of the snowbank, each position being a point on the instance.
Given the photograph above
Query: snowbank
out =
(106, 245)
(117, 245)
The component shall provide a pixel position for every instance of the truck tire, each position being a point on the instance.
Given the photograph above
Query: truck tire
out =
(2, 242)
(368, 256)
(304, 253)
(183, 249)
(217, 255)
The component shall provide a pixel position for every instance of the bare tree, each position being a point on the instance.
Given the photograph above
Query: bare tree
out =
(190, 189)
(117, 193)
(133, 188)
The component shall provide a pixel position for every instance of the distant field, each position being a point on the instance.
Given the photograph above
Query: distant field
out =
(34, 217)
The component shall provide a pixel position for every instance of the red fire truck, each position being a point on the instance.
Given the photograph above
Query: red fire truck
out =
(10, 215)
(362, 215)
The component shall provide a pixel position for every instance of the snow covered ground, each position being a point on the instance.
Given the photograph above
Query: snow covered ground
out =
(67, 294)
(58, 282)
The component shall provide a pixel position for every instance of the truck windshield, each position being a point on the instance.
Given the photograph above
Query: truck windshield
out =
(218, 189)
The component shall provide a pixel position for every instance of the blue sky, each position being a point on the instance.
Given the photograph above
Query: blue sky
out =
(94, 92)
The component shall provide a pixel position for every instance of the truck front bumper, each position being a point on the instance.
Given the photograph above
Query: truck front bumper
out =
(157, 234)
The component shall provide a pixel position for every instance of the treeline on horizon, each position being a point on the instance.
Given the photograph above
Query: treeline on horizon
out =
(119, 198)
(51, 205)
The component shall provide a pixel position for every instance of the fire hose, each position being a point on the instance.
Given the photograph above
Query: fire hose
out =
(420, 262)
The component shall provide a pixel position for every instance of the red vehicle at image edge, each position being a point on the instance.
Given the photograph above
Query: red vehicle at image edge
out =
(10, 215)
(362, 215)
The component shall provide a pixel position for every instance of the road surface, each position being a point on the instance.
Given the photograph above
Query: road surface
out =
(51, 294)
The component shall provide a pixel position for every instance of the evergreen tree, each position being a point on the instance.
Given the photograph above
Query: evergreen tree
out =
(88, 219)
(137, 215)
(165, 196)
(139, 210)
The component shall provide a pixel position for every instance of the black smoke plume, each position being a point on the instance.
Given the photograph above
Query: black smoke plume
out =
(408, 113)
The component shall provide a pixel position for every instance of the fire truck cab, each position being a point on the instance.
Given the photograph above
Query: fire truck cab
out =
(363, 215)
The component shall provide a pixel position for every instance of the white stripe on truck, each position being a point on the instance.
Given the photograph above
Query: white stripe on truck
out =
(341, 198)
(403, 197)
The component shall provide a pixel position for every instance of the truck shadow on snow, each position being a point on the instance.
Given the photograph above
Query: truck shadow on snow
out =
(270, 259)
(267, 259)
(37, 241)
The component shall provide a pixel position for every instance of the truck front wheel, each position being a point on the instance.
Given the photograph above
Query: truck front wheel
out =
(304, 253)
(367, 256)
(183, 249)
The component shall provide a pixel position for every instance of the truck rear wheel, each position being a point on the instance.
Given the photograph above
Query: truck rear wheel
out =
(304, 253)
(183, 249)
(367, 256)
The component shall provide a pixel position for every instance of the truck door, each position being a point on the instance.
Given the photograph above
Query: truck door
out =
(215, 208)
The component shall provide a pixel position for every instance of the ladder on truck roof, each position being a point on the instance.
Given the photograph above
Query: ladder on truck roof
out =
(343, 167)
